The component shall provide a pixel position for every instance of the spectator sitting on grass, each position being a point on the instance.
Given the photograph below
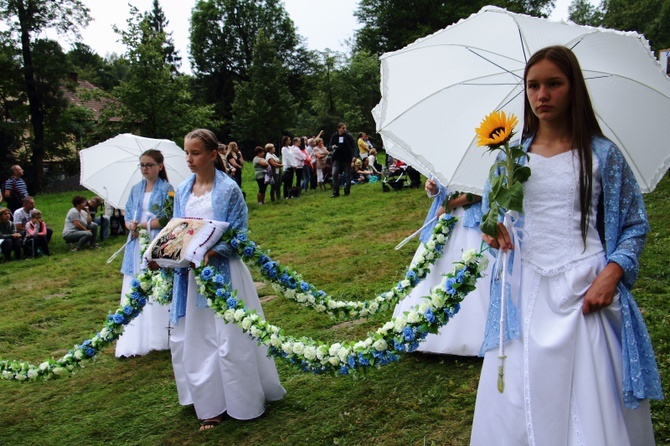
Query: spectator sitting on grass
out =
(10, 239)
(79, 228)
(36, 235)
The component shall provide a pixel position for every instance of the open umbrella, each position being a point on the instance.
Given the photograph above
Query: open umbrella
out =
(436, 91)
(110, 169)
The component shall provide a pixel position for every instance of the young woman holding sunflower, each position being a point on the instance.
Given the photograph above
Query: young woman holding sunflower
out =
(579, 369)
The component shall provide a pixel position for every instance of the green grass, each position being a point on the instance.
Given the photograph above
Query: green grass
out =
(344, 246)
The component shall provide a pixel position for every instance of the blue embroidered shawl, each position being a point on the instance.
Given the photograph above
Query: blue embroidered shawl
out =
(625, 229)
(134, 211)
(229, 206)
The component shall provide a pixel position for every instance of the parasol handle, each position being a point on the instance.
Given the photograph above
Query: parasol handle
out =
(116, 254)
(414, 234)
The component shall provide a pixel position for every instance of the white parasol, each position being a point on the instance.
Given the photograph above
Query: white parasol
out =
(437, 90)
(110, 169)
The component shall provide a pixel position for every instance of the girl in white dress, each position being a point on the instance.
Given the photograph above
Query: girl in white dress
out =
(218, 368)
(464, 333)
(149, 330)
(580, 369)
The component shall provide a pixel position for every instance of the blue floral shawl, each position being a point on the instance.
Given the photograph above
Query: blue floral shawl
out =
(134, 211)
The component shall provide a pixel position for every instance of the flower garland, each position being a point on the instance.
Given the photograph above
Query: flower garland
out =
(381, 347)
(161, 279)
(292, 286)
(401, 334)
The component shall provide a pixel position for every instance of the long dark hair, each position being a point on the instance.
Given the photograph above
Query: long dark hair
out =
(211, 143)
(157, 156)
(583, 123)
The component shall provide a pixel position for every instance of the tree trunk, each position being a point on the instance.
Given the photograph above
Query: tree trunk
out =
(34, 100)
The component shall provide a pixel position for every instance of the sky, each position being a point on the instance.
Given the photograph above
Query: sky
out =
(323, 23)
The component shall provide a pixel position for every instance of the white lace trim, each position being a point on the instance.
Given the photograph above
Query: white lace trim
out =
(527, 314)
(200, 206)
(561, 269)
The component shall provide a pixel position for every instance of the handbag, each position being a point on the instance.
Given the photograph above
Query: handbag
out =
(269, 175)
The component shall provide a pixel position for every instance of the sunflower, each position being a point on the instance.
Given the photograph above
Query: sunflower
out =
(496, 129)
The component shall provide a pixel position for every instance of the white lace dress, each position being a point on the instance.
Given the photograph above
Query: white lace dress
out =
(218, 368)
(149, 330)
(563, 377)
(464, 333)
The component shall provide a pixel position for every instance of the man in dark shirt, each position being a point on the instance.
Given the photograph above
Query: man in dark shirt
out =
(343, 146)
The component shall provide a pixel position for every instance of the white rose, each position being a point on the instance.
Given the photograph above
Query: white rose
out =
(320, 308)
(405, 283)
(289, 293)
(331, 304)
(6, 374)
(44, 366)
(58, 370)
(430, 256)
(229, 315)
(125, 301)
(332, 351)
(333, 360)
(255, 332)
(437, 300)
(380, 345)
(309, 353)
(298, 348)
(311, 299)
(413, 317)
(430, 245)
(275, 341)
(239, 314)
(440, 238)
(20, 377)
(246, 323)
(287, 347)
(400, 323)
(343, 353)
(374, 306)
(78, 354)
(32, 374)
(469, 256)
(145, 285)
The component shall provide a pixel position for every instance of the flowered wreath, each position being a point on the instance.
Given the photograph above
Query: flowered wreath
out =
(399, 335)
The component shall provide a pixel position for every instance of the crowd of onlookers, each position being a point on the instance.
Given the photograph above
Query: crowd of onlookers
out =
(308, 163)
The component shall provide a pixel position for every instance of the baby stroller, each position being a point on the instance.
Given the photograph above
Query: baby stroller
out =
(394, 174)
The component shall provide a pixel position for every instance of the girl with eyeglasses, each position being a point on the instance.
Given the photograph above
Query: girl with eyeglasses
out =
(149, 330)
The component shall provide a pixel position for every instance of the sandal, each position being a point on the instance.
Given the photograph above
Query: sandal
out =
(211, 423)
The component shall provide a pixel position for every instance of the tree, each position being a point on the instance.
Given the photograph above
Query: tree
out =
(155, 102)
(584, 12)
(648, 17)
(263, 105)
(392, 24)
(223, 34)
(158, 23)
(25, 19)
(90, 66)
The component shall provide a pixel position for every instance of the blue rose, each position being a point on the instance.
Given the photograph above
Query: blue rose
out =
(135, 295)
(430, 317)
(411, 276)
(220, 292)
(272, 274)
(231, 302)
(249, 251)
(86, 343)
(351, 361)
(449, 285)
(118, 318)
(242, 237)
(284, 278)
(263, 259)
(362, 360)
(141, 302)
(90, 352)
(127, 309)
(399, 346)
(304, 286)
(268, 266)
(292, 283)
(135, 283)
(460, 276)
(219, 279)
(412, 347)
(321, 293)
(344, 370)
(408, 333)
(207, 273)
(400, 287)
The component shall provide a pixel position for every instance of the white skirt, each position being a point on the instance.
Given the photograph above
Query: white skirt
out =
(464, 333)
(147, 332)
(219, 368)
(563, 377)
